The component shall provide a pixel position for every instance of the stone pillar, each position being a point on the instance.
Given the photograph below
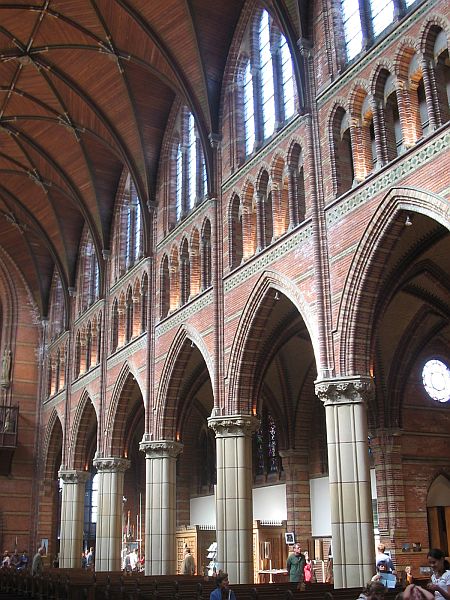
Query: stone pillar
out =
(345, 401)
(234, 511)
(109, 517)
(296, 469)
(72, 517)
(160, 507)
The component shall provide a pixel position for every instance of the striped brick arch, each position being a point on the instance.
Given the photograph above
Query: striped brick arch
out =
(127, 398)
(84, 436)
(360, 298)
(247, 352)
(53, 446)
(186, 355)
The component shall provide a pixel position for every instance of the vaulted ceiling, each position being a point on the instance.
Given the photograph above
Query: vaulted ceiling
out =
(86, 88)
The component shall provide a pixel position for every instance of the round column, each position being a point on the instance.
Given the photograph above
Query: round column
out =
(72, 517)
(160, 507)
(234, 510)
(109, 517)
(345, 401)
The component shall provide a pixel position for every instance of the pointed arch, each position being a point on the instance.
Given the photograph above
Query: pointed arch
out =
(53, 445)
(357, 307)
(241, 366)
(167, 398)
(122, 400)
(83, 442)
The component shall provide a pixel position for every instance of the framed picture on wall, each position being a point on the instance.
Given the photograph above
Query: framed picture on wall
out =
(290, 538)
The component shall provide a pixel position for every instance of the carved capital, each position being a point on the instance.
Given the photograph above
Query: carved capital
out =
(345, 390)
(234, 425)
(161, 448)
(111, 464)
(73, 476)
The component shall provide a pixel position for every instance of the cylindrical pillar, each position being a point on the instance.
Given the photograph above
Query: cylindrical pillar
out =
(72, 513)
(108, 538)
(160, 508)
(234, 523)
(350, 494)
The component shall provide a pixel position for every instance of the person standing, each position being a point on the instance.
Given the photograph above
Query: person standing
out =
(222, 591)
(188, 563)
(37, 565)
(90, 559)
(383, 557)
(295, 565)
(440, 578)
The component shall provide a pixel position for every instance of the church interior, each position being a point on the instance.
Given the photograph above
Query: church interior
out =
(225, 283)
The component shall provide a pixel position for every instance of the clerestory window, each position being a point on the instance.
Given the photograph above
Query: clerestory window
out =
(364, 20)
(190, 185)
(267, 83)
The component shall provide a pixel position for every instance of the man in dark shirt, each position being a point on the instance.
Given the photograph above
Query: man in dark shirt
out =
(295, 565)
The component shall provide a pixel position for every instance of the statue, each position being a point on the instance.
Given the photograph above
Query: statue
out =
(6, 367)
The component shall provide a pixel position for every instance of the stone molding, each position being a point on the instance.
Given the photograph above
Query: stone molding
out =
(345, 390)
(73, 476)
(161, 448)
(111, 464)
(234, 425)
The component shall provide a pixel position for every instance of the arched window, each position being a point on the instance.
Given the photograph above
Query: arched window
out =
(266, 83)
(114, 326)
(185, 273)
(88, 274)
(206, 255)
(144, 302)
(57, 307)
(249, 112)
(164, 287)
(364, 20)
(190, 185)
(88, 346)
(342, 150)
(133, 231)
(266, 460)
(129, 316)
(236, 249)
(77, 366)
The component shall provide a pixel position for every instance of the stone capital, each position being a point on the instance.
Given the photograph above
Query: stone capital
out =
(111, 464)
(357, 389)
(161, 448)
(234, 425)
(73, 476)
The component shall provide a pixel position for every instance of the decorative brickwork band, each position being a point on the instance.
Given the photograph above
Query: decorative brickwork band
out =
(234, 425)
(345, 390)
